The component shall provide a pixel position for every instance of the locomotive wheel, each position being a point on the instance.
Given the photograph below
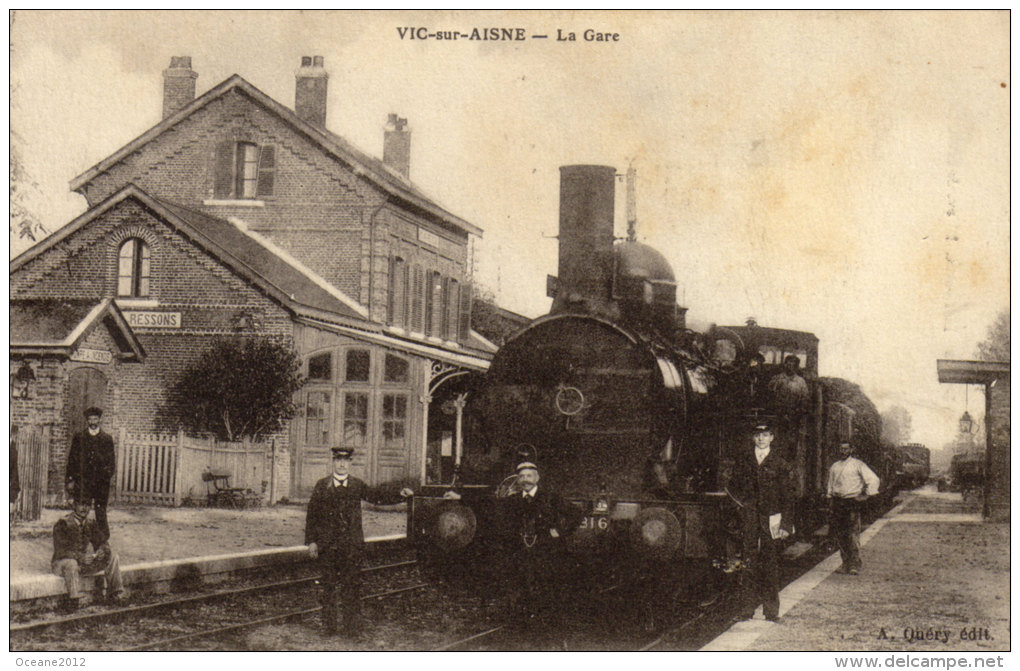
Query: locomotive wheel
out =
(453, 526)
(658, 532)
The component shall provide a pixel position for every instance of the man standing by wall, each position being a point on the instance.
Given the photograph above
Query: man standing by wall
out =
(91, 464)
(851, 482)
(334, 537)
(763, 485)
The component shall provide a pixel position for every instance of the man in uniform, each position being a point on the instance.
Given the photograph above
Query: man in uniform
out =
(333, 535)
(91, 463)
(81, 548)
(763, 484)
(850, 484)
(537, 522)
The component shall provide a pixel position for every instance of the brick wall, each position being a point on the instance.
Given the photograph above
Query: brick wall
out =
(184, 279)
(333, 221)
(997, 420)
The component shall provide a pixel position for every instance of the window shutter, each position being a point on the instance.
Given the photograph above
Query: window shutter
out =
(267, 170)
(465, 311)
(223, 170)
(419, 294)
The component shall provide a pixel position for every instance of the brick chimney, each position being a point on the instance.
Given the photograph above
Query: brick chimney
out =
(310, 92)
(396, 151)
(178, 85)
(586, 239)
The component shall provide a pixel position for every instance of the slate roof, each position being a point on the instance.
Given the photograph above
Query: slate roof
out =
(58, 325)
(298, 284)
(49, 320)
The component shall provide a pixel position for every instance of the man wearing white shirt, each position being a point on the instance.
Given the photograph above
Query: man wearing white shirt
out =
(851, 482)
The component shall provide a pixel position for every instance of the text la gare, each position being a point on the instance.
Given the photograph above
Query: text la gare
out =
(588, 35)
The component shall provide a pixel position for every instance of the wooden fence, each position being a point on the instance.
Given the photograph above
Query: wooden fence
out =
(33, 445)
(167, 469)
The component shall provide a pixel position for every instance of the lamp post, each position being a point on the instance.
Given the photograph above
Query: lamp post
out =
(21, 385)
(966, 424)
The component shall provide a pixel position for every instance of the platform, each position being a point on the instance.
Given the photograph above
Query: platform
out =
(162, 549)
(935, 577)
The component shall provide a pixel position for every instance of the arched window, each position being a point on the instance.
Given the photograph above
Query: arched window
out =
(133, 269)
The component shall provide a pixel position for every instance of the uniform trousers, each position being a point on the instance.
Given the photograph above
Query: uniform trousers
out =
(761, 584)
(98, 496)
(846, 527)
(535, 583)
(340, 577)
(105, 561)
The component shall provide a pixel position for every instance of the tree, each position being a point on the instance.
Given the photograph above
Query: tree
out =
(896, 427)
(995, 347)
(240, 388)
(24, 222)
(494, 323)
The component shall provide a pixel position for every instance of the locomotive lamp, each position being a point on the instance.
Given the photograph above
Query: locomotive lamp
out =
(966, 423)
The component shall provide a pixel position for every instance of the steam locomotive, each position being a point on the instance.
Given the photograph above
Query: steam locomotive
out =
(634, 418)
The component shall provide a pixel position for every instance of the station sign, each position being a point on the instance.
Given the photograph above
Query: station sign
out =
(153, 320)
(86, 355)
(429, 238)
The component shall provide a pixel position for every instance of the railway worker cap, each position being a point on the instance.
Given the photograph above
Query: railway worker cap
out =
(526, 465)
(342, 452)
(762, 427)
(93, 411)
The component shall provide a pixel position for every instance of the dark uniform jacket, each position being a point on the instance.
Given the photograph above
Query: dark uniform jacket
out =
(529, 522)
(765, 489)
(91, 464)
(333, 521)
(70, 539)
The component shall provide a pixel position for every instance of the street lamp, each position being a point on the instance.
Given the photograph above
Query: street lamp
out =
(22, 383)
(966, 423)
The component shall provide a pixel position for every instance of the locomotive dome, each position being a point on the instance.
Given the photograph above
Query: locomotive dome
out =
(636, 259)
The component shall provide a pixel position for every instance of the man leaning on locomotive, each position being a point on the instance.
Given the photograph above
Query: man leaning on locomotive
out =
(333, 534)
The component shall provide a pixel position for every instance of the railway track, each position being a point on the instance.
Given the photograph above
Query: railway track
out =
(191, 609)
(258, 622)
(691, 630)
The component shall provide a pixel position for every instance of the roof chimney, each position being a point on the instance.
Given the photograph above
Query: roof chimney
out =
(178, 85)
(310, 93)
(396, 151)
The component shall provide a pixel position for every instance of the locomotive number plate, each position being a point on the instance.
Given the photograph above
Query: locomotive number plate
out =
(595, 523)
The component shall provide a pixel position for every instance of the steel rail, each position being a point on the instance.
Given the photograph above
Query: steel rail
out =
(240, 626)
(118, 613)
(457, 644)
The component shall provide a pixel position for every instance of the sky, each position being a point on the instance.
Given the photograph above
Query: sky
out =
(844, 173)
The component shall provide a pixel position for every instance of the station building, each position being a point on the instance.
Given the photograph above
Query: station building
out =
(236, 216)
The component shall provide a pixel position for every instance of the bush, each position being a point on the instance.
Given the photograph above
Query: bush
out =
(241, 388)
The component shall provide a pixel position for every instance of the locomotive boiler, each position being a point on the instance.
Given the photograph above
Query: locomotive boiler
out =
(632, 417)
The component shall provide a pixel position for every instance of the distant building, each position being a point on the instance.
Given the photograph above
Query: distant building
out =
(238, 216)
(994, 376)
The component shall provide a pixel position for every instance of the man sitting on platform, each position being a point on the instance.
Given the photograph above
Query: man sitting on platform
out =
(81, 548)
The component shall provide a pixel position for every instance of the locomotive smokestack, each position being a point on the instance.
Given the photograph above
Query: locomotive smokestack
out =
(585, 277)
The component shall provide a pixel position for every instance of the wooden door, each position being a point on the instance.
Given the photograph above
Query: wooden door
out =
(86, 387)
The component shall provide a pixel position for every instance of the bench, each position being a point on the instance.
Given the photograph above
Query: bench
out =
(220, 494)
